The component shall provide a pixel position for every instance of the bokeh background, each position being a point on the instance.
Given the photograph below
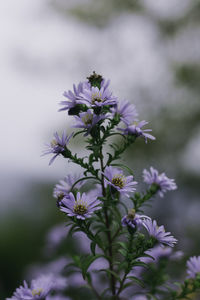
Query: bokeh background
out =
(151, 52)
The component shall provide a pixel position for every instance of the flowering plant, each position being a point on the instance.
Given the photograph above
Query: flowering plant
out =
(129, 252)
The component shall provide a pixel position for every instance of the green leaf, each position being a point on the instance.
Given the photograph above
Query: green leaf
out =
(117, 213)
(109, 158)
(147, 255)
(123, 252)
(77, 230)
(102, 129)
(122, 244)
(127, 285)
(138, 281)
(77, 260)
(71, 231)
(117, 133)
(102, 229)
(92, 247)
(89, 278)
(79, 132)
(139, 264)
(123, 167)
(123, 266)
(105, 291)
(87, 261)
(91, 158)
(114, 146)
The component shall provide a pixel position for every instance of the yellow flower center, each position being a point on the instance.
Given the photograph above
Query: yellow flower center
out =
(97, 97)
(37, 292)
(80, 207)
(54, 143)
(60, 196)
(131, 214)
(119, 180)
(87, 119)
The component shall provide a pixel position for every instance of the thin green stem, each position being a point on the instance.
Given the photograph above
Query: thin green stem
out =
(129, 250)
(84, 178)
(94, 290)
(80, 162)
(110, 250)
(139, 200)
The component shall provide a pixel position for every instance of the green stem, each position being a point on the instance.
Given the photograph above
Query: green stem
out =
(139, 201)
(119, 151)
(129, 250)
(110, 250)
(94, 290)
(90, 235)
(84, 178)
(80, 162)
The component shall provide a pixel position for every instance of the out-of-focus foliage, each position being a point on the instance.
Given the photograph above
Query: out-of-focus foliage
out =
(96, 12)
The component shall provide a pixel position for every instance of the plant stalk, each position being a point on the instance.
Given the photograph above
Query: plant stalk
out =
(110, 250)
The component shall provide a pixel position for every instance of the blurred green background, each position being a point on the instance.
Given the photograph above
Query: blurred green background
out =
(151, 52)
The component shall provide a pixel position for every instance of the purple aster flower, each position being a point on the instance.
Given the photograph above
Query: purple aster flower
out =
(58, 145)
(64, 186)
(161, 180)
(116, 179)
(193, 266)
(136, 129)
(97, 97)
(158, 232)
(82, 207)
(88, 120)
(73, 96)
(126, 112)
(133, 220)
(39, 288)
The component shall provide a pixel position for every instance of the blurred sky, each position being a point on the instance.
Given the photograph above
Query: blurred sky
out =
(43, 53)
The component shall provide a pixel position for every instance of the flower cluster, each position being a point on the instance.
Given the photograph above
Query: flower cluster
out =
(88, 120)
(91, 103)
(109, 216)
(97, 97)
